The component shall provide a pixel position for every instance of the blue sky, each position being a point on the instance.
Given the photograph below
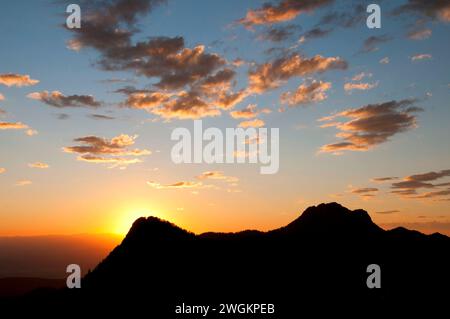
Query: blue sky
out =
(76, 196)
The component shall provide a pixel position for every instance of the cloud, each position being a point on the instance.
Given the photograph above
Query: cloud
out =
(387, 212)
(177, 185)
(23, 182)
(306, 93)
(385, 60)
(315, 33)
(284, 10)
(419, 34)
(187, 82)
(272, 74)
(364, 190)
(419, 57)
(31, 132)
(217, 175)
(279, 34)
(17, 126)
(383, 179)
(38, 165)
(62, 116)
(2, 170)
(359, 86)
(372, 42)
(101, 117)
(100, 150)
(435, 10)
(365, 193)
(370, 125)
(2, 97)
(249, 112)
(12, 126)
(408, 187)
(361, 75)
(59, 100)
(252, 123)
(19, 80)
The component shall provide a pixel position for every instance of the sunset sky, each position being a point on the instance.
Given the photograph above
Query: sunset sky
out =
(86, 114)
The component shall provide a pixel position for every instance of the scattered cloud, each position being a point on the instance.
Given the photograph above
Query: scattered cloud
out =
(385, 60)
(12, 126)
(387, 212)
(101, 117)
(2, 170)
(383, 179)
(307, 93)
(177, 185)
(372, 42)
(59, 100)
(95, 149)
(19, 80)
(252, 123)
(217, 175)
(2, 97)
(38, 165)
(419, 57)
(284, 10)
(280, 33)
(365, 193)
(272, 74)
(370, 125)
(419, 34)
(363, 86)
(188, 82)
(408, 187)
(31, 132)
(435, 10)
(249, 112)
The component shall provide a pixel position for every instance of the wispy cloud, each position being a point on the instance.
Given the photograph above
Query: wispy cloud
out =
(59, 100)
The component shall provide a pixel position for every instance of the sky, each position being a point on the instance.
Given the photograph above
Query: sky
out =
(86, 114)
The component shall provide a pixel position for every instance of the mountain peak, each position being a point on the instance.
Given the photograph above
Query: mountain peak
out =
(145, 229)
(333, 218)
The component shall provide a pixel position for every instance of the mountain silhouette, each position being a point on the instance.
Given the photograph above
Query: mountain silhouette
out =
(317, 262)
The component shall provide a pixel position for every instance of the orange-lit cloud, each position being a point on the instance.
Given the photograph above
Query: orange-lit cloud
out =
(59, 100)
(38, 165)
(249, 112)
(252, 123)
(95, 149)
(217, 175)
(12, 126)
(177, 185)
(307, 93)
(359, 86)
(19, 80)
(285, 10)
(371, 125)
(272, 74)
(2, 170)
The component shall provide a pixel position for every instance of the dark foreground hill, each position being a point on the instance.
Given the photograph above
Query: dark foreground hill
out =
(318, 262)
